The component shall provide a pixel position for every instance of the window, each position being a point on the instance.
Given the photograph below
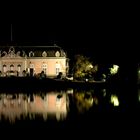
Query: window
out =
(18, 68)
(57, 68)
(44, 54)
(44, 68)
(57, 71)
(31, 54)
(11, 67)
(57, 54)
(23, 53)
(31, 66)
(4, 68)
(18, 53)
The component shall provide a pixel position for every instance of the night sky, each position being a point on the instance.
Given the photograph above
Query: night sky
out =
(110, 37)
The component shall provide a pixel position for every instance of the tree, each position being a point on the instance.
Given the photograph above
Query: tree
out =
(84, 100)
(59, 76)
(42, 74)
(83, 68)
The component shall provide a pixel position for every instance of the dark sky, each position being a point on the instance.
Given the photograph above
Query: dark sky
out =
(78, 34)
(95, 33)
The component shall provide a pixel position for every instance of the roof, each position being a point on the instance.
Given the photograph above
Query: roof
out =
(36, 51)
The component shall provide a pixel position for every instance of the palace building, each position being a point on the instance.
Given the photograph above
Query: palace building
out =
(32, 60)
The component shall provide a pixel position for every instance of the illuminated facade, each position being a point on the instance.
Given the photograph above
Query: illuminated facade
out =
(32, 60)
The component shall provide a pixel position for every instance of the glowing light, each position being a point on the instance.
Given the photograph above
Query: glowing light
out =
(90, 66)
(84, 101)
(114, 100)
(114, 70)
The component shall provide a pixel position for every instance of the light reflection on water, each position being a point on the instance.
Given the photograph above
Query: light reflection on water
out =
(21, 106)
(55, 105)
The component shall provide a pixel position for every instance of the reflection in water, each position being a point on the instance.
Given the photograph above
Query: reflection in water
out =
(104, 92)
(139, 95)
(114, 100)
(85, 100)
(17, 106)
(96, 100)
(58, 105)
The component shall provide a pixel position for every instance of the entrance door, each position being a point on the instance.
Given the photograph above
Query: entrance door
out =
(31, 71)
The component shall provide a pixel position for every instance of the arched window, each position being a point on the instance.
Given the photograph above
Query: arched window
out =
(11, 49)
(11, 52)
(19, 68)
(57, 54)
(12, 67)
(18, 53)
(44, 68)
(4, 68)
(23, 53)
(44, 54)
(31, 54)
(4, 53)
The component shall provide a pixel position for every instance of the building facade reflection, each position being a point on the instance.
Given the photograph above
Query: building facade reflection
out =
(59, 105)
(15, 106)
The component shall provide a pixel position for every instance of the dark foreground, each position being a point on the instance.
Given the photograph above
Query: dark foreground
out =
(34, 83)
(87, 109)
(91, 110)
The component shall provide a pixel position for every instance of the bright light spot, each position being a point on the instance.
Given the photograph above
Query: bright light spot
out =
(91, 66)
(114, 70)
(114, 100)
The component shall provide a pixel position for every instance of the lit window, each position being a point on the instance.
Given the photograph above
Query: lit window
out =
(31, 54)
(57, 54)
(44, 68)
(19, 68)
(57, 71)
(4, 68)
(57, 68)
(11, 67)
(31, 66)
(44, 54)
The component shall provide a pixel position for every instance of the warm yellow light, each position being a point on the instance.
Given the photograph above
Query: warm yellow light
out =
(90, 66)
(114, 100)
(114, 70)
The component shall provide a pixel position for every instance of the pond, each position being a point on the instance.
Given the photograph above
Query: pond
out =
(65, 108)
